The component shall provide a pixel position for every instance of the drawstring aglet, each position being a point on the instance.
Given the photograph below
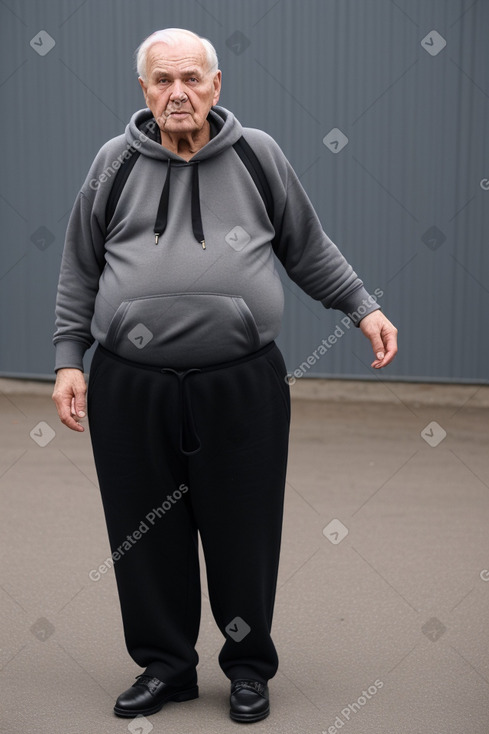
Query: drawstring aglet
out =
(157, 236)
(203, 244)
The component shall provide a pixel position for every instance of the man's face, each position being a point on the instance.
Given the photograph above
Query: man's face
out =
(180, 89)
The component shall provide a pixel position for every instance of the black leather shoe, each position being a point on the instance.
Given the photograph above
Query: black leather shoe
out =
(148, 694)
(249, 701)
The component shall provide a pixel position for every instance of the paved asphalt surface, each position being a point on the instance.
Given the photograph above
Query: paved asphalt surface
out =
(382, 612)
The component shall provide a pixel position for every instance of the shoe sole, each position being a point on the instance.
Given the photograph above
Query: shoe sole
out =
(249, 718)
(179, 697)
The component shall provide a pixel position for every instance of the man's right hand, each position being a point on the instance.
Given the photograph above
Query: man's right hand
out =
(69, 395)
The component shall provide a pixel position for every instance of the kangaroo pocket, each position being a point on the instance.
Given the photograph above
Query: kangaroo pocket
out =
(183, 329)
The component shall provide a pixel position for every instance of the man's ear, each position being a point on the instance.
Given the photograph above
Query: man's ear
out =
(144, 88)
(217, 87)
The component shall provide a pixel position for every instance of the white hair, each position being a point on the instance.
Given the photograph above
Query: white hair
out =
(171, 36)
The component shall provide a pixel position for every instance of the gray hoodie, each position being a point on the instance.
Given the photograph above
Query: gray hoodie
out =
(181, 302)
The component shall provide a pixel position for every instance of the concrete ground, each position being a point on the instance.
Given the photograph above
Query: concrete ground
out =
(381, 619)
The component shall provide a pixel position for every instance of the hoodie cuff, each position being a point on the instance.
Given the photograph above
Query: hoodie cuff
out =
(357, 305)
(69, 353)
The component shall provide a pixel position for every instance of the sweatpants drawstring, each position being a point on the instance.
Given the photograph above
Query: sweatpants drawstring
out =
(189, 438)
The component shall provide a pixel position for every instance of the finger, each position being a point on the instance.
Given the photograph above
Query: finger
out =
(79, 403)
(77, 412)
(390, 346)
(378, 347)
(70, 421)
(63, 406)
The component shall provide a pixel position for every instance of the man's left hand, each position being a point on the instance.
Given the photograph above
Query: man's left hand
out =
(382, 335)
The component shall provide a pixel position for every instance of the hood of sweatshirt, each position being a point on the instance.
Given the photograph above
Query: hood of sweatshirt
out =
(143, 133)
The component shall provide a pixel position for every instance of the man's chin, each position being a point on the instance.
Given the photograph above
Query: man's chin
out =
(180, 126)
(178, 122)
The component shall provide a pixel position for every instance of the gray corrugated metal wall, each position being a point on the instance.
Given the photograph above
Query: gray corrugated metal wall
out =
(406, 199)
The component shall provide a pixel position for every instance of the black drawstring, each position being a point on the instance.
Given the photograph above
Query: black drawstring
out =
(197, 228)
(189, 438)
(162, 215)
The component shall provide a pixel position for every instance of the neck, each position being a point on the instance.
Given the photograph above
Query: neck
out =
(186, 144)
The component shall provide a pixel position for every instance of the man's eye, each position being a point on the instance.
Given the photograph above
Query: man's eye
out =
(162, 81)
(193, 79)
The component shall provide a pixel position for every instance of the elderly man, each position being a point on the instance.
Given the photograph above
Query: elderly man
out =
(188, 404)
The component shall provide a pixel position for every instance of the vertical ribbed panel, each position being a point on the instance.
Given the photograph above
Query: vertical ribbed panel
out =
(403, 199)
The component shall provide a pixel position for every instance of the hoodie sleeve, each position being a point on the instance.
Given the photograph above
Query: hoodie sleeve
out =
(83, 258)
(81, 266)
(309, 256)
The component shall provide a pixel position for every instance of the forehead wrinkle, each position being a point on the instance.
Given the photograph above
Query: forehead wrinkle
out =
(165, 58)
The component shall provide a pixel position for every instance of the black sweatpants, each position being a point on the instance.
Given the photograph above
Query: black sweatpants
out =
(184, 452)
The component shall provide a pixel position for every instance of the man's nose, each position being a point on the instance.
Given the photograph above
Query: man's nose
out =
(177, 91)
